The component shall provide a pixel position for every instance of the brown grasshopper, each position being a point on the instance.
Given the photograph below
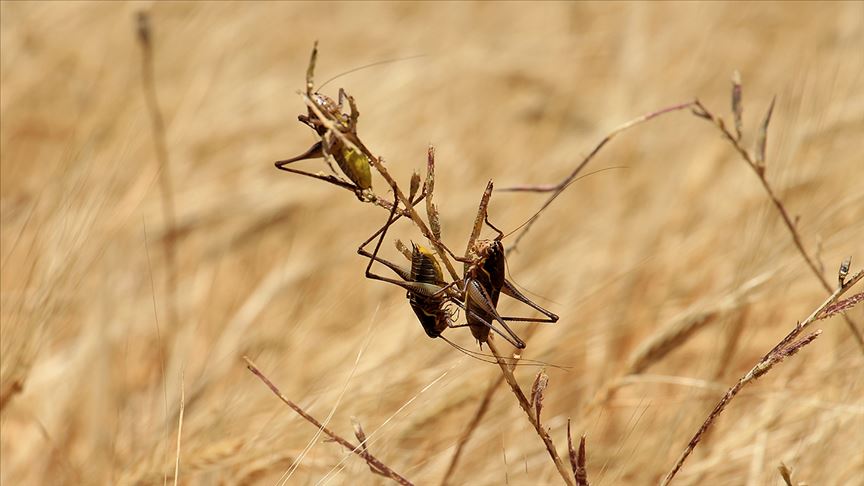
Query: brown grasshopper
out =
(352, 160)
(484, 280)
(427, 291)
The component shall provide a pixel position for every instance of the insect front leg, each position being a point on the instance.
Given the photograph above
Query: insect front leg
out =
(489, 224)
(354, 114)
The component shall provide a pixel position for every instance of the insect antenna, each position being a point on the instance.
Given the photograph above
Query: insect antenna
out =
(373, 64)
(532, 218)
(547, 203)
(523, 288)
(493, 359)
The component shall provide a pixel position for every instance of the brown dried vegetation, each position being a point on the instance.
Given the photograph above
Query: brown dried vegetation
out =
(138, 271)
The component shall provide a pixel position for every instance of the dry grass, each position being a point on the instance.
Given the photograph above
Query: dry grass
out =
(92, 368)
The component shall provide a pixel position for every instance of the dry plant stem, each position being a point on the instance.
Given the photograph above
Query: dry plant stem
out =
(373, 462)
(361, 436)
(166, 187)
(561, 186)
(784, 349)
(759, 169)
(159, 346)
(431, 209)
(577, 459)
(180, 429)
(786, 474)
(526, 406)
(471, 428)
(842, 305)
(378, 164)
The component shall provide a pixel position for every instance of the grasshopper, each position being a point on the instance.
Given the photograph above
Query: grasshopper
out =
(484, 281)
(427, 292)
(354, 163)
(430, 296)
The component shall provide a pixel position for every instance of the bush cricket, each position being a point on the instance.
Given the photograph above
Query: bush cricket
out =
(353, 163)
(483, 282)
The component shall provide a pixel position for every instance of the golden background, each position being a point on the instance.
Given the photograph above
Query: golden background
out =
(266, 262)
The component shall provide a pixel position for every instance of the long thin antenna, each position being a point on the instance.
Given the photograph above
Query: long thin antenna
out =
(359, 68)
(549, 201)
(515, 361)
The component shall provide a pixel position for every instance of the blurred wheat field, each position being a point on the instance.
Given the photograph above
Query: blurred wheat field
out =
(267, 264)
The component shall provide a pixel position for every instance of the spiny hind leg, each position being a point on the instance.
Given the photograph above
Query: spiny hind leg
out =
(479, 296)
(510, 290)
(283, 165)
(315, 151)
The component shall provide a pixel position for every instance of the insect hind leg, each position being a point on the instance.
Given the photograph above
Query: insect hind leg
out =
(510, 290)
(478, 295)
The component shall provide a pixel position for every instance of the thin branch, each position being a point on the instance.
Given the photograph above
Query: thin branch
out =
(361, 436)
(787, 347)
(758, 168)
(842, 306)
(471, 428)
(373, 462)
(527, 407)
(180, 428)
(558, 188)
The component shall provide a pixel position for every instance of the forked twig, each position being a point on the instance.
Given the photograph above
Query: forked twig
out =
(787, 347)
(360, 450)
(756, 162)
(529, 409)
(577, 459)
(361, 436)
(558, 188)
